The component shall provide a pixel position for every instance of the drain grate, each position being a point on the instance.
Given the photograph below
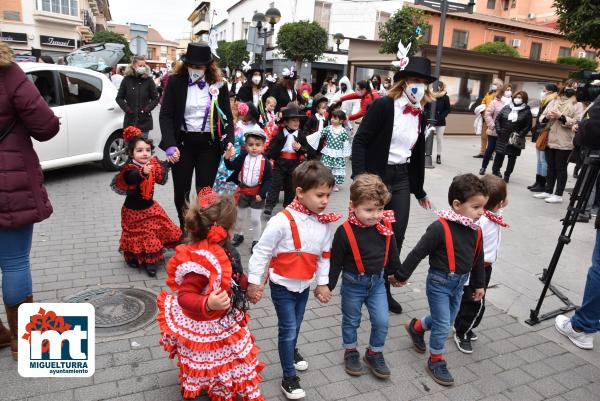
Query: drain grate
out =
(119, 310)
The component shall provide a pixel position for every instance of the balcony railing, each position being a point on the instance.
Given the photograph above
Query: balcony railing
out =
(88, 21)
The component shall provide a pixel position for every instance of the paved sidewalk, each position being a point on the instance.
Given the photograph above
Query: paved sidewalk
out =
(76, 249)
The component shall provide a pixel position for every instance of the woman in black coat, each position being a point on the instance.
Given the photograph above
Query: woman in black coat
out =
(188, 138)
(514, 117)
(254, 90)
(392, 145)
(284, 91)
(442, 109)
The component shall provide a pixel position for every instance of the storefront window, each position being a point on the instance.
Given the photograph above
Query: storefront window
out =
(465, 89)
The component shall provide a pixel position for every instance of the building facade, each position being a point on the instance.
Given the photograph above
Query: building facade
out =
(51, 27)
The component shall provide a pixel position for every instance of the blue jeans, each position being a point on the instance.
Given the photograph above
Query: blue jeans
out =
(15, 245)
(542, 166)
(356, 291)
(444, 293)
(587, 317)
(491, 146)
(289, 307)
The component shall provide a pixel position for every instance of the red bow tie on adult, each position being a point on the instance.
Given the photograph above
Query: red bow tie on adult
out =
(322, 217)
(415, 111)
(495, 218)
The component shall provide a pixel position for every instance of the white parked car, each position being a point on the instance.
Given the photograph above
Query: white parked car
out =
(91, 122)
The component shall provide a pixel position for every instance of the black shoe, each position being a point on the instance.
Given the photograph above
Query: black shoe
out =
(497, 174)
(472, 336)
(482, 171)
(132, 263)
(506, 178)
(268, 211)
(418, 339)
(299, 362)
(377, 364)
(352, 363)
(463, 344)
(237, 239)
(150, 269)
(393, 305)
(252, 247)
(536, 183)
(438, 159)
(583, 218)
(292, 389)
(439, 372)
(478, 156)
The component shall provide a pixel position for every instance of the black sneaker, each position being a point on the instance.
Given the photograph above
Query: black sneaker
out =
(478, 156)
(497, 174)
(133, 263)
(438, 159)
(418, 339)
(377, 364)
(472, 335)
(292, 389)
(393, 305)
(268, 211)
(150, 269)
(252, 247)
(482, 171)
(439, 372)
(237, 239)
(299, 362)
(352, 363)
(463, 344)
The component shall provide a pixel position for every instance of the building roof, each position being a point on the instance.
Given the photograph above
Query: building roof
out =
(153, 35)
(234, 5)
(491, 19)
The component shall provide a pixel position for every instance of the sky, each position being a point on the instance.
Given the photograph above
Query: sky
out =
(168, 17)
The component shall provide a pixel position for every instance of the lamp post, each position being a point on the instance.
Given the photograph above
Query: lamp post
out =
(339, 37)
(271, 16)
(444, 6)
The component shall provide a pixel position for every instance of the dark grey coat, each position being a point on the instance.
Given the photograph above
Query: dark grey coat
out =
(504, 128)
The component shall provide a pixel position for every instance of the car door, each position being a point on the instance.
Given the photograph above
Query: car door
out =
(46, 81)
(86, 117)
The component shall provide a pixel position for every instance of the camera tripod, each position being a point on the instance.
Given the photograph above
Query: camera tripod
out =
(579, 198)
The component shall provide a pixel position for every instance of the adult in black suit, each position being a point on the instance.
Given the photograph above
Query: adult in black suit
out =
(284, 91)
(390, 142)
(188, 138)
(254, 90)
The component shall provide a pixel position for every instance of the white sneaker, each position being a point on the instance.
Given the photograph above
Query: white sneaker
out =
(542, 195)
(554, 199)
(582, 340)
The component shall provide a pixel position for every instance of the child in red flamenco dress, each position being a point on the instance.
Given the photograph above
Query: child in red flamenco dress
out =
(204, 324)
(147, 229)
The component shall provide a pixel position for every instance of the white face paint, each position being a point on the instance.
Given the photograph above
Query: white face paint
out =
(195, 74)
(415, 92)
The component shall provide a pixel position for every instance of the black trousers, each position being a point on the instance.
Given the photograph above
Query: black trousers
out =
(557, 160)
(471, 312)
(197, 155)
(499, 160)
(396, 179)
(281, 179)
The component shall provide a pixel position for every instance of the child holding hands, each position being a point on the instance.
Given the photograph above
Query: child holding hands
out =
(297, 241)
(454, 246)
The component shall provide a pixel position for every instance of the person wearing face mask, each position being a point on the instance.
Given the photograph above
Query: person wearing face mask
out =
(254, 90)
(238, 81)
(548, 94)
(514, 117)
(560, 115)
(366, 96)
(196, 122)
(348, 106)
(377, 85)
(390, 142)
(284, 91)
(138, 96)
(489, 116)
(487, 99)
(507, 97)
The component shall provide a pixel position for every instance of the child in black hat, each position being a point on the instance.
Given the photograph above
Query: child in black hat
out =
(316, 122)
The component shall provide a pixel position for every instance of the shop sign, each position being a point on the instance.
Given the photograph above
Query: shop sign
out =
(56, 41)
(13, 37)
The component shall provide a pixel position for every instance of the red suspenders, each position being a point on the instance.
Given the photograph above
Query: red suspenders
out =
(260, 175)
(294, 228)
(450, 245)
(356, 252)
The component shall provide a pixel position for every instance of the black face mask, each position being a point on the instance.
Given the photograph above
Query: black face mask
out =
(344, 87)
(569, 92)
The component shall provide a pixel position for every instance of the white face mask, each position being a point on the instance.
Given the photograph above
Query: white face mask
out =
(415, 92)
(508, 93)
(195, 74)
(543, 95)
(493, 87)
(238, 74)
(256, 80)
(140, 70)
(518, 101)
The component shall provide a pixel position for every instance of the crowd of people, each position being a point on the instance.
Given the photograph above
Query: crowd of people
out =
(248, 139)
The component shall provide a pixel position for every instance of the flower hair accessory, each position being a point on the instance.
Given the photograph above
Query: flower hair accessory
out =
(216, 234)
(402, 56)
(131, 132)
(207, 197)
(246, 66)
(242, 109)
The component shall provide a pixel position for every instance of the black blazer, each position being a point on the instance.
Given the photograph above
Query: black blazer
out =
(236, 166)
(310, 127)
(245, 94)
(442, 109)
(281, 95)
(278, 141)
(173, 109)
(371, 145)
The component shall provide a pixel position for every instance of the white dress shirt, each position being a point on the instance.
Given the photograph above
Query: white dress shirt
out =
(315, 237)
(195, 108)
(491, 239)
(289, 140)
(405, 132)
(251, 169)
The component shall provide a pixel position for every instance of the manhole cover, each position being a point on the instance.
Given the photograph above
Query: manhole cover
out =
(119, 310)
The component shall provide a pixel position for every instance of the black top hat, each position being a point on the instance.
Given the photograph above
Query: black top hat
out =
(254, 67)
(418, 67)
(319, 98)
(291, 111)
(198, 54)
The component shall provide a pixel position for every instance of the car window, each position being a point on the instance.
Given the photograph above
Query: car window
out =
(44, 82)
(80, 88)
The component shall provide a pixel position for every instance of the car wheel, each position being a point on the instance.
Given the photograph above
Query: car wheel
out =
(115, 152)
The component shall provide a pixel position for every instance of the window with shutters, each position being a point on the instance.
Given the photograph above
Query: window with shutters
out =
(460, 39)
(536, 51)
(322, 14)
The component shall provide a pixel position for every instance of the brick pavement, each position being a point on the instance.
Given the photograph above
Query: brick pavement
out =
(76, 249)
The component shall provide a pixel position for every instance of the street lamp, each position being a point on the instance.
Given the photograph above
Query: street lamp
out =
(339, 37)
(271, 16)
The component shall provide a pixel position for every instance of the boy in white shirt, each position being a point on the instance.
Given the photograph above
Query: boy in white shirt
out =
(297, 241)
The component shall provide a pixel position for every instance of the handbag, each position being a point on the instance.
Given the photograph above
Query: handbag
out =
(516, 141)
(4, 132)
(542, 140)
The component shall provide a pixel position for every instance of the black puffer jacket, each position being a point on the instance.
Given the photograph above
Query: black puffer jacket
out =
(504, 128)
(137, 97)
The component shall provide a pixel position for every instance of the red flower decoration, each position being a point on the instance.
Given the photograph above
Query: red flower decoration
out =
(207, 197)
(242, 109)
(44, 321)
(216, 234)
(131, 132)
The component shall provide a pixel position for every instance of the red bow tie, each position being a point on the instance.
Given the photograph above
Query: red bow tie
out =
(388, 217)
(324, 218)
(415, 111)
(495, 218)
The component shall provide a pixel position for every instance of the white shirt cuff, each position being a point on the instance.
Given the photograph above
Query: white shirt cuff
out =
(255, 279)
